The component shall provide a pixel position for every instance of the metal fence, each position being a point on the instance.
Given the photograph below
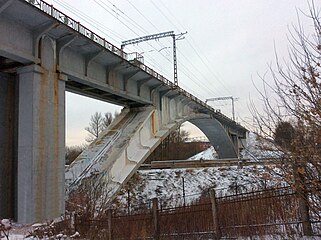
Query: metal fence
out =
(257, 213)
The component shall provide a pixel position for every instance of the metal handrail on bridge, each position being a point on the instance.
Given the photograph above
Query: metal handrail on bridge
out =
(76, 26)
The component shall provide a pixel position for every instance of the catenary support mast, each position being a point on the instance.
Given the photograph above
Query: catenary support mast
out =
(158, 36)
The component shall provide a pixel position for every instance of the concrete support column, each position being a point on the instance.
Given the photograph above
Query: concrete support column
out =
(235, 141)
(41, 144)
(7, 142)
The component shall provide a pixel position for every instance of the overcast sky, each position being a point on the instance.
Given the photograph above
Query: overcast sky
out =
(228, 43)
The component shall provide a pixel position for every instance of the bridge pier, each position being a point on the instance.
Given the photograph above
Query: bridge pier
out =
(32, 140)
(40, 191)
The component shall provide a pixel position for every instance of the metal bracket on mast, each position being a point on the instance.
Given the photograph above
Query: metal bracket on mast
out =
(157, 36)
(224, 98)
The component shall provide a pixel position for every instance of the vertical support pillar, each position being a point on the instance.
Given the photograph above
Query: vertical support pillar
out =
(215, 215)
(41, 143)
(7, 143)
(235, 141)
(156, 219)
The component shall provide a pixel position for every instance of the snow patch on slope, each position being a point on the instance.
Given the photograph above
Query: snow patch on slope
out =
(167, 184)
(208, 154)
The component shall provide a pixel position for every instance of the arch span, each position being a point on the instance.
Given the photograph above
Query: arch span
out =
(217, 135)
(132, 137)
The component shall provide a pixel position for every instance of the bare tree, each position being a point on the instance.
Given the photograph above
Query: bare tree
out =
(108, 118)
(95, 126)
(290, 121)
(98, 123)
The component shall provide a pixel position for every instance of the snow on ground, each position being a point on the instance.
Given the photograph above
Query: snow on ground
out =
(254, 152)
(208, 154)
(167, 184)
(18, 232)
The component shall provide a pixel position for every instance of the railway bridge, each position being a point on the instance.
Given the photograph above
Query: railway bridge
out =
(44, 53)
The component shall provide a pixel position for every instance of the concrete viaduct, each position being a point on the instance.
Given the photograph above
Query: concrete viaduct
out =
(44, 53)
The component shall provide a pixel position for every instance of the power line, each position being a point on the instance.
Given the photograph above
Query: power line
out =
(104, 7)
(86, 18)
(143, 15)
(224, 98)
(186, 69)
(206, 88)
(171, 34)
(98, 25)
(129, 19)
(107, 10)
(194, 49)
(171, 22)
(206, 62)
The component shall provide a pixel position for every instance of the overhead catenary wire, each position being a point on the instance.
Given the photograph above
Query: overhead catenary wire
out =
(105, 7)
(191, 45)
(199, 55)
(185, 68)
(128, 19)
(206, 62)
(184, 71)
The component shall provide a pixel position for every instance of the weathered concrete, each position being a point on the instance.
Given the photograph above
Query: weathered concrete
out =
(41, 132)
(218, 137)
(7, 142)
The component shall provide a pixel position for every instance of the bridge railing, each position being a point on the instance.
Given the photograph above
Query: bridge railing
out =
(76, 26)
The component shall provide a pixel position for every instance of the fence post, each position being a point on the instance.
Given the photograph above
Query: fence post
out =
(109, 216)
(155, 219)
(217, 230)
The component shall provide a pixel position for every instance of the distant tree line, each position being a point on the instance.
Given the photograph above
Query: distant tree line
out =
(98, 123)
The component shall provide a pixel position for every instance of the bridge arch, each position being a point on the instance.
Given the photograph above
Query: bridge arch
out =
(120, 150)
